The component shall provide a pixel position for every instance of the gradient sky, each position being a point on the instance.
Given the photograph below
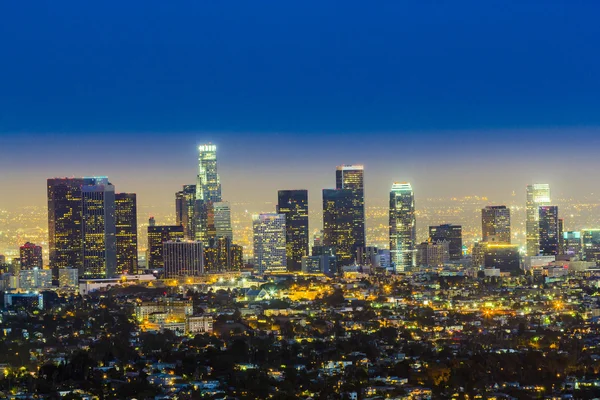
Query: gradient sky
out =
(468, 97)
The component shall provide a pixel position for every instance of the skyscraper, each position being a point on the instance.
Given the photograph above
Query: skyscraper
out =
(402, 222)
(31, 256)
(338, 224)
(548, 226)
(495, 224)
(351, 177)
(538, 194)
(590, 242)
(98, 228)
(183, 258)
(64, 223)
(222, 220)
(450, 233)
(269, 242)
(294, 205)
(572, 243)
(221, 255)
(126, 232)
(185, 202)
(157, 235)
(208, 191)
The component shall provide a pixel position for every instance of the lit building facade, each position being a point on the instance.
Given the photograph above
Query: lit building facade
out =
(338, 224)
(98, 228)
(183, 258)
(269, 242)
(548, 230)
(185, 203)
(64, 223)
(403, 227)
(221, 255)
(538, 194)
(495, 224)
(31, 256)
(157, 235)
(590, 243)
(572, 243)
(126, 232)
(433, 254)
(208, 191)
(294, 205)
(222, 220)
(450, 233)
(351, 177)
(35, 278)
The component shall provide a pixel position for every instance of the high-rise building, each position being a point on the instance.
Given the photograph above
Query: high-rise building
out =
(402, 222)
(183, 258)
(338, 224)
(269, 242)
(185, 203)
(590, 243)
(548, 226)
(504, 257)
(294, 205)
(157, 235)
(561, 238)
(433, 254)
(572, 243)
(351, 177)
(221, 255)
(450, 233)
(538, 194)
(324, 264)
(222, 220)
(208, 191)
(64, 223)
(31, 256)
(98, 228)
(495, 224)
(126, 224)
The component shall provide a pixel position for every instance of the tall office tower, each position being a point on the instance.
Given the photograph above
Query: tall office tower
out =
(31, 256)
(538, 194)
(98, 228)
(222, 220)
(433, 254)
(590, 245)
(572, 243)
(351, 177)
(126, 224)
(294, 205)
(403, 232)
(221, 255)
(561, 231)
(452, 234)
(157, 235)
(183, 258)
(548, 226)
(185, 201)
(269, 242)
(338, 224)
(495, 224)
(208, 191)
(64, 223)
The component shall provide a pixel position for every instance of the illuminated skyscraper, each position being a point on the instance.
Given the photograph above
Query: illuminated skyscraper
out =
(572, 243)
(157, 235)
(548, 226)
(98, 228)
(338, 224)
(351, 177)
(538, 194)
(31, 256)
(450, 233)
(269, 242)
(183, 258)
(294, 205)
(221, 255)
(403, 232)
(64, 223)
(495, 224)
(590, 241)
(185, 203)
(126, 224)
(208, 186)
(222, 220)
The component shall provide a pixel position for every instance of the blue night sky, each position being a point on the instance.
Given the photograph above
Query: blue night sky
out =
(460, 98)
